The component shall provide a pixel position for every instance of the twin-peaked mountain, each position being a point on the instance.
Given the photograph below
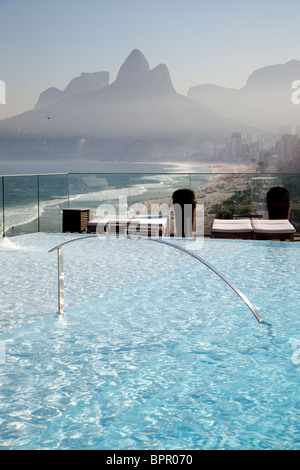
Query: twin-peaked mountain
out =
(139, 115)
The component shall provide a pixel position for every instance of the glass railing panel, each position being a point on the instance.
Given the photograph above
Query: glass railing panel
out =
(116, 193)
(222, 195)
(1, 206)
(156, 189)
(35, 202)
(262, 183)
(204, 186)
(292, 182)
(229, 195)
(21, 207)
(89, 191)
(53, 197)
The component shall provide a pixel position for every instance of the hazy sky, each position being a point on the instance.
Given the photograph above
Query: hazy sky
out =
(46, 43)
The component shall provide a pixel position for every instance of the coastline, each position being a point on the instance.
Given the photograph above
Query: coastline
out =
(166, 167)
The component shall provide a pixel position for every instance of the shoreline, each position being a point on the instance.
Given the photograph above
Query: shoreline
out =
(34, 167)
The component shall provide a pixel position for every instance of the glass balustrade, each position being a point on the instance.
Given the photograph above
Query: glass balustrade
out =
(34, 203)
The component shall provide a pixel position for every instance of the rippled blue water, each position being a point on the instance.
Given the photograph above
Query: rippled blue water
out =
(154, 350)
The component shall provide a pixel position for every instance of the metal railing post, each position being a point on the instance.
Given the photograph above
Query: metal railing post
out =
(3, 206)
(61, 278)
(38, 201)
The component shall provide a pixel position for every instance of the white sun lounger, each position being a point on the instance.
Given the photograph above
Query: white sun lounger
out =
(231, 228)
(280, 229)
(102, 225)
(152, 225)
(143, 226)
(262, 229)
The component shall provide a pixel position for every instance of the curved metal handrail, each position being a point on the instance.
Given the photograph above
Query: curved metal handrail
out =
(59, 249)
(194, 255)
(71, 241)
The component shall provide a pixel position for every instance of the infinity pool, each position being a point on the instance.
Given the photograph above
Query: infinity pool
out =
(154, 350)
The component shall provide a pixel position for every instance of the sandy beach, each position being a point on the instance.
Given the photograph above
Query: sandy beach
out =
(226, 167)
(196, 167)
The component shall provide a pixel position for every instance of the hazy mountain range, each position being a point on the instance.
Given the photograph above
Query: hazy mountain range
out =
(264, 102)
(140, 115)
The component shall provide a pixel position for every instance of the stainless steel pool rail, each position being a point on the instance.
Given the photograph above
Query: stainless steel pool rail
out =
(230, 284)
(59, 249)
(60, 269)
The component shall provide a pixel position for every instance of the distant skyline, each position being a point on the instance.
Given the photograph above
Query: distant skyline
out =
(46, 44)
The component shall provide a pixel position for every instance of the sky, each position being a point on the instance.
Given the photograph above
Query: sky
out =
(47, 43)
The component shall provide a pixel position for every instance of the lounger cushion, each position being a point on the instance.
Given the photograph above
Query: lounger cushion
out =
(233, 226)
(159, 225)
(272, 226)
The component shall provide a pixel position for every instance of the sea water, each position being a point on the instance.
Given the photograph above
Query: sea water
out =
(154, 350)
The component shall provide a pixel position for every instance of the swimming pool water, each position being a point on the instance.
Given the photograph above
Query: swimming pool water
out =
(154, 350)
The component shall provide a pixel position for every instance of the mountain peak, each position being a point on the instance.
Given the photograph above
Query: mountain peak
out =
(133, 68)
(86, 82)
(161, 81)
(271, 76)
